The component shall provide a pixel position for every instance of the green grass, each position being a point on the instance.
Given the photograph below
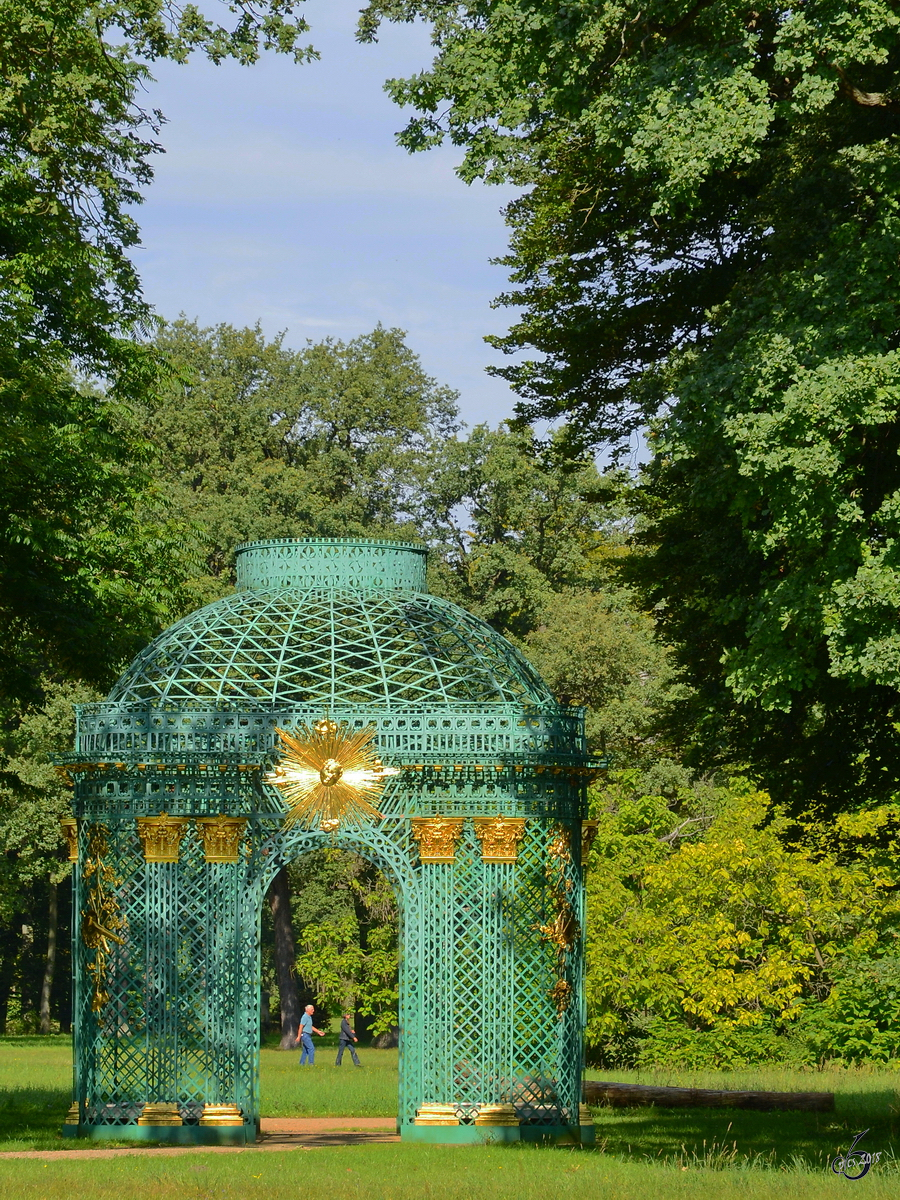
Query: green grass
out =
(287, 1090)
(409, 1172)
(36, 1088)
(642, 1153)
(864, 1099)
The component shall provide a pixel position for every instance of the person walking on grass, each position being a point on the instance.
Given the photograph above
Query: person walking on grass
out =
(346, 1041)
(307, 1029)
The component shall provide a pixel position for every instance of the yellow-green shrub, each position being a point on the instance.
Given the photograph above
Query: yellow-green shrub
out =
(708, 935)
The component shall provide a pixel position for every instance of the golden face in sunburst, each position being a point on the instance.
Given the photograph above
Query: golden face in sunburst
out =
(329, 774)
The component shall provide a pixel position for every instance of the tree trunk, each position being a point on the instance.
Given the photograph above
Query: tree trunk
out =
(7, 974)
(50, 963)
(632, 1095)
(285, 958)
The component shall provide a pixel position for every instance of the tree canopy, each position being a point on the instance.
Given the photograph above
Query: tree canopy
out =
(254, 440)
(705, 248)
(83, 542)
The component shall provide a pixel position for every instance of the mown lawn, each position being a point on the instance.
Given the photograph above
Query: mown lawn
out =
(409, 1172)
(326, 1090)
(641, 1153)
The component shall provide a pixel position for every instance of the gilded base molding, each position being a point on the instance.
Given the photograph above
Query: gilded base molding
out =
(221, 1114)
(436, 1114)
(160, 1114)
(73, 1116)
(497, 1114)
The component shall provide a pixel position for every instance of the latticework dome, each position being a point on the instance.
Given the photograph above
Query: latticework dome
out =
(359, 633)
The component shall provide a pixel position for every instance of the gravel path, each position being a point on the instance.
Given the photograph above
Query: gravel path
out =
(277, 1133)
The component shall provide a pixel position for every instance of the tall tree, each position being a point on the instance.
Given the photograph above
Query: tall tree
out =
(33, 798)
(513, 521)
(285, 957)
(76, 554)
(529, 535)
(707, 244)
(255, 440)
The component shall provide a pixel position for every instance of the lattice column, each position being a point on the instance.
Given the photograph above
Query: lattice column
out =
(109, 973)
(164, 963)
(219, 1061)
(437, 971)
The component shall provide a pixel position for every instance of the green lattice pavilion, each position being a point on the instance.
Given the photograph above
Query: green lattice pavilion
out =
(180, 831)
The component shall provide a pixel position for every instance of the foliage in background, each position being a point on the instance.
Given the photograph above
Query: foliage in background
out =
(345, 914)
(87, 552)
(717, 927)
(257, 441)
(92, 559)
(33, 798)
(706, 245)
(513, 520)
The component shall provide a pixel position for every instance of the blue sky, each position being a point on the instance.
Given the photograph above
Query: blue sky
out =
(282, 197)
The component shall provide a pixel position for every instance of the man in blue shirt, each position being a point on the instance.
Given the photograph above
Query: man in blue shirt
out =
(307, 1029)
(346, 1041)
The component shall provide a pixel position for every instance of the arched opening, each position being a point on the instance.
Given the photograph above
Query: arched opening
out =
(333, 908)
(330, 937)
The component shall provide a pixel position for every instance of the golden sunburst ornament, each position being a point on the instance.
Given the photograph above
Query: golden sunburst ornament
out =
(329, 773)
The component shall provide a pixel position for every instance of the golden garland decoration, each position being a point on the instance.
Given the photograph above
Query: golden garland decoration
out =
(329, 773)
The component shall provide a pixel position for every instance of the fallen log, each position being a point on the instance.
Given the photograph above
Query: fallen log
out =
(632, 1095)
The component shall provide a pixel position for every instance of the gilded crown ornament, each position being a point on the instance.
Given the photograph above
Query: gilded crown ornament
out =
(329, 773)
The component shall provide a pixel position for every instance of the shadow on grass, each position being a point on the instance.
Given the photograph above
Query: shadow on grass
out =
(31, 1118)
(729, 1137)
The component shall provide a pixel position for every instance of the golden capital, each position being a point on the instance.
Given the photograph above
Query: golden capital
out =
(437, 837)
(499, 837)
(69, 829)
(221, 837)
(161, 837)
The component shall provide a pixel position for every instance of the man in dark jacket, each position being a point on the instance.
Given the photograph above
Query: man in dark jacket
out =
(346, 1041)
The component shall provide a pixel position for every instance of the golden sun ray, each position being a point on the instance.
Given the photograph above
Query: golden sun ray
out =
(329, 773)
